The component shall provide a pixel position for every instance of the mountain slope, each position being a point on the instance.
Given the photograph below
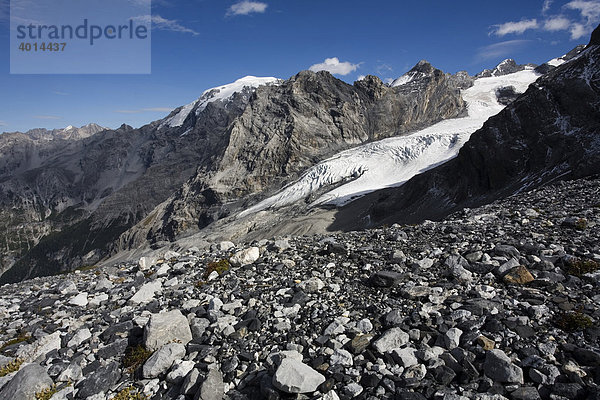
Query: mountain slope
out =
(236, 144)
(551, 132)
(287, 128)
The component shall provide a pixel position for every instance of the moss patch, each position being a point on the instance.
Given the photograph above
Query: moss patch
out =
(135, 357)
(23, 337)
(220, 267)
(582, 267)
(573, 321)
(129, 393)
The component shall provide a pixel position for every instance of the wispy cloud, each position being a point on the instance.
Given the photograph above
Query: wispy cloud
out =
(247, 7)
(50, 117)
(383, 68)
(142, 110)
(500, 49)
(2, 123)
(334, 66)
(579, 17)
(558, 23)
(165, 24)
(590, 17)
(514, 27)
(60, 93)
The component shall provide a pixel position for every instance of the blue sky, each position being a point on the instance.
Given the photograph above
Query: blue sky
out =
(198, 44)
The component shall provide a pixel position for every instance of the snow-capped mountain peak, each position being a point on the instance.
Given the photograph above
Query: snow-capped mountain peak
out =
(422, 69)
(219, 93)
(505, 67)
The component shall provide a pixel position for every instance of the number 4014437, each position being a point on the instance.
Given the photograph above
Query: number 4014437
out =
(50, 46)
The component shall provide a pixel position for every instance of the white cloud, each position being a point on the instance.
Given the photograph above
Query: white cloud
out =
(360, 77)
(578, 17)
(515, 27)
(557, 24)
(334, 66)
(590, 16)
(53, 117)
(501, 49)
(2, 123)
(590, 10)
(578, 31)
(60, 93)
(247, 7)
(142, 110)
(165, 24)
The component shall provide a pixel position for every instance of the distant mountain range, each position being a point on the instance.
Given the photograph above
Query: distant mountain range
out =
(262, 157)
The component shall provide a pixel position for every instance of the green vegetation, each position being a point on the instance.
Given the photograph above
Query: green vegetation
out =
(582, 267)
(220, 267)
(135, 357)
(581, 224)
(573, 321)
(22, 337)
(46, 394)
(129, 393)
(11, 367)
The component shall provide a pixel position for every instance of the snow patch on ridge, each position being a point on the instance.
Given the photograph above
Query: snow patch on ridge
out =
(407, 78)
(391, 162)
(220, 93)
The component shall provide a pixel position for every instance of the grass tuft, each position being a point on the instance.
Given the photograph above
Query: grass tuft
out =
(582, 267)
(130, 393)
(11, 367)
(135, 357)
(46, 394)
(573, 321)
(220, 267)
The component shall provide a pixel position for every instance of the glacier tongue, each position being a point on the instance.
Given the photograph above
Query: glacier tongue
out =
(391, 162)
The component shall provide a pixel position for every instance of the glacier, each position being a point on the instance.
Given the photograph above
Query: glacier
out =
(393, 161)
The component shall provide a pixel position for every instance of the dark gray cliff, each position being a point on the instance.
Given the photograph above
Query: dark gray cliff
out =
(550, 132)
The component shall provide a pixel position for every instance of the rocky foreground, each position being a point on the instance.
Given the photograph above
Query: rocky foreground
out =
(497, 302)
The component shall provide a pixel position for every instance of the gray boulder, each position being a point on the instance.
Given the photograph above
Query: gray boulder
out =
(293, 376)
(166, 327)
(30, 379)
(161, 360)
(390, 340)
(498, 366)
(212, 387)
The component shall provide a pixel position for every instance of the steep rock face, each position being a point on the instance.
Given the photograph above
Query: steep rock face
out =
(289, 127)
(549, 133)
